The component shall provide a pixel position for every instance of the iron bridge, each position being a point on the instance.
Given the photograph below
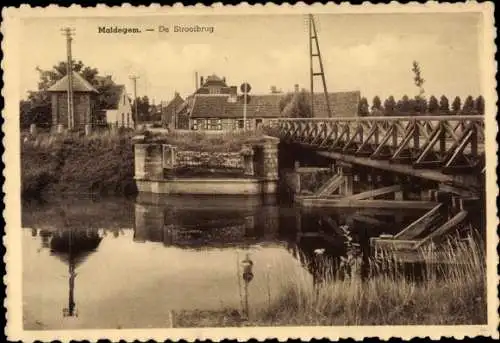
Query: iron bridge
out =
(445, 149)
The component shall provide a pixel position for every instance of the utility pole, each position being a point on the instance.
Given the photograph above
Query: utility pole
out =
(68, 32)
(134, 80)
(313, 35)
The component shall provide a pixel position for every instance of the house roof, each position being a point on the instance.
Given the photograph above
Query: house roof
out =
(79, 85)
(342, 104)
(174, 104)
(219, 106)
(214, 80)
(208, 106)
(114, 96)
(263, 106)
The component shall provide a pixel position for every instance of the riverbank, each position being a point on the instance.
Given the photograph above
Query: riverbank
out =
(103, 163)
(98, 164)
(449, 295)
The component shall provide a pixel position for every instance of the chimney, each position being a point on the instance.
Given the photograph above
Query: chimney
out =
(196, 80)
(201, 81)
(224, 79)
(296, 88)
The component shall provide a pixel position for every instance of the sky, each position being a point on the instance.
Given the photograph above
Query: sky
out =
(372, 53)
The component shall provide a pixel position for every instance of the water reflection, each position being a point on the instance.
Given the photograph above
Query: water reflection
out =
(138, 262)
(196, 222)
(71, 246)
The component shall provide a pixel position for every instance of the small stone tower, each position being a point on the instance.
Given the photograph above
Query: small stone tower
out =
(84, 102)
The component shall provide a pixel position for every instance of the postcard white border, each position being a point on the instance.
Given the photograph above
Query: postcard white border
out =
(10, 29)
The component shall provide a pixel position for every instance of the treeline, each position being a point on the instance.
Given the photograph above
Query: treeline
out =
(420, 106)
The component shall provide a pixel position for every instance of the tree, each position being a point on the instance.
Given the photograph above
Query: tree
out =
(468, 106)
(444, 105)
(363, 107)
(143, 109)
(433, 105)
(389, 106)
(37, 108)
(296, 105)
(456, 105)
(420, 105)
(404, 104)
(376, 103)
(479, 105)
(418, 79)
(275, 90)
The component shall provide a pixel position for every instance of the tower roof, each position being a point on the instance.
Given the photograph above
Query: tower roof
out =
(79, 85)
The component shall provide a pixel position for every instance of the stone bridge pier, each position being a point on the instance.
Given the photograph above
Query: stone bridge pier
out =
(156, 165)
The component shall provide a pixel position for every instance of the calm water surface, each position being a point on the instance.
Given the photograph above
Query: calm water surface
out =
(118, 263)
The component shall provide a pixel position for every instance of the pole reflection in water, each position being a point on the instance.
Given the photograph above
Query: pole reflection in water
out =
(247, 277)
(70, 310)
(72, 245)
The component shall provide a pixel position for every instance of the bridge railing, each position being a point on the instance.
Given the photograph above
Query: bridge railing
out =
(451, 141)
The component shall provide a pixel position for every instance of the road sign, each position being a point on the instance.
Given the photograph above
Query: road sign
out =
(245, 87)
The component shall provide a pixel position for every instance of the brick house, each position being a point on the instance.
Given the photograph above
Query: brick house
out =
(168, 113)
(215, 106)
(84, 102)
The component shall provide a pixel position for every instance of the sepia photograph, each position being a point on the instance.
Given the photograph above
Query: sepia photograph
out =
(294, 168)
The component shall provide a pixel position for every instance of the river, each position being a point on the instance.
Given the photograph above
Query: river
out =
(134, 263)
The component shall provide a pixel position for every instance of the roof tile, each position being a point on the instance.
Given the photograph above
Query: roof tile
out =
(79, 85)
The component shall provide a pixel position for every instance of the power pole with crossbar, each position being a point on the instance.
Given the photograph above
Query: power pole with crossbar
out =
(68, 32)
(313, 35)
(134, 80)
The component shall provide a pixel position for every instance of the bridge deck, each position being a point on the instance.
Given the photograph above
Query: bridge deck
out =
(446, 149)
(429, 174)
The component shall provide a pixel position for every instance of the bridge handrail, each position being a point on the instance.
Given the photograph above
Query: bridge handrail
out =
(419, 118)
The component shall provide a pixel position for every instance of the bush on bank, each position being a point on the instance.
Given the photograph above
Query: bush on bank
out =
(103, 163)
(208, 141)
(97, 164)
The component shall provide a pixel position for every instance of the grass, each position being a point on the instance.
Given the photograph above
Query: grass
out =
(97, 164)
(451, 294)
(446, 295)
(103, 163)
(210, 142)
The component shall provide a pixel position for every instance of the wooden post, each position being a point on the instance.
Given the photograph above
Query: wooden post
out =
(298, 225)
(473, 141)
(60, 128)
(416, 136)
(349, 184)
(88, 129)
(442, 140)
(394, 136)
(297, 178)
(33, 129)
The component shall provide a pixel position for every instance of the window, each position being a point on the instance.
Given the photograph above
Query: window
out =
(215, 124)
(123, 119)
(240, 124)
(195, 124)
(124, 96)
(214, 90)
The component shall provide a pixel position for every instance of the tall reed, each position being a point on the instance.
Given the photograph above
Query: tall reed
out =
(450, 293)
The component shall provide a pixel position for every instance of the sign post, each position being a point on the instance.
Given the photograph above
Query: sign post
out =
(245, 89)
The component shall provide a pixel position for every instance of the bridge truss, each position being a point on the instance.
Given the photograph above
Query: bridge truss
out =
(454, 143)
